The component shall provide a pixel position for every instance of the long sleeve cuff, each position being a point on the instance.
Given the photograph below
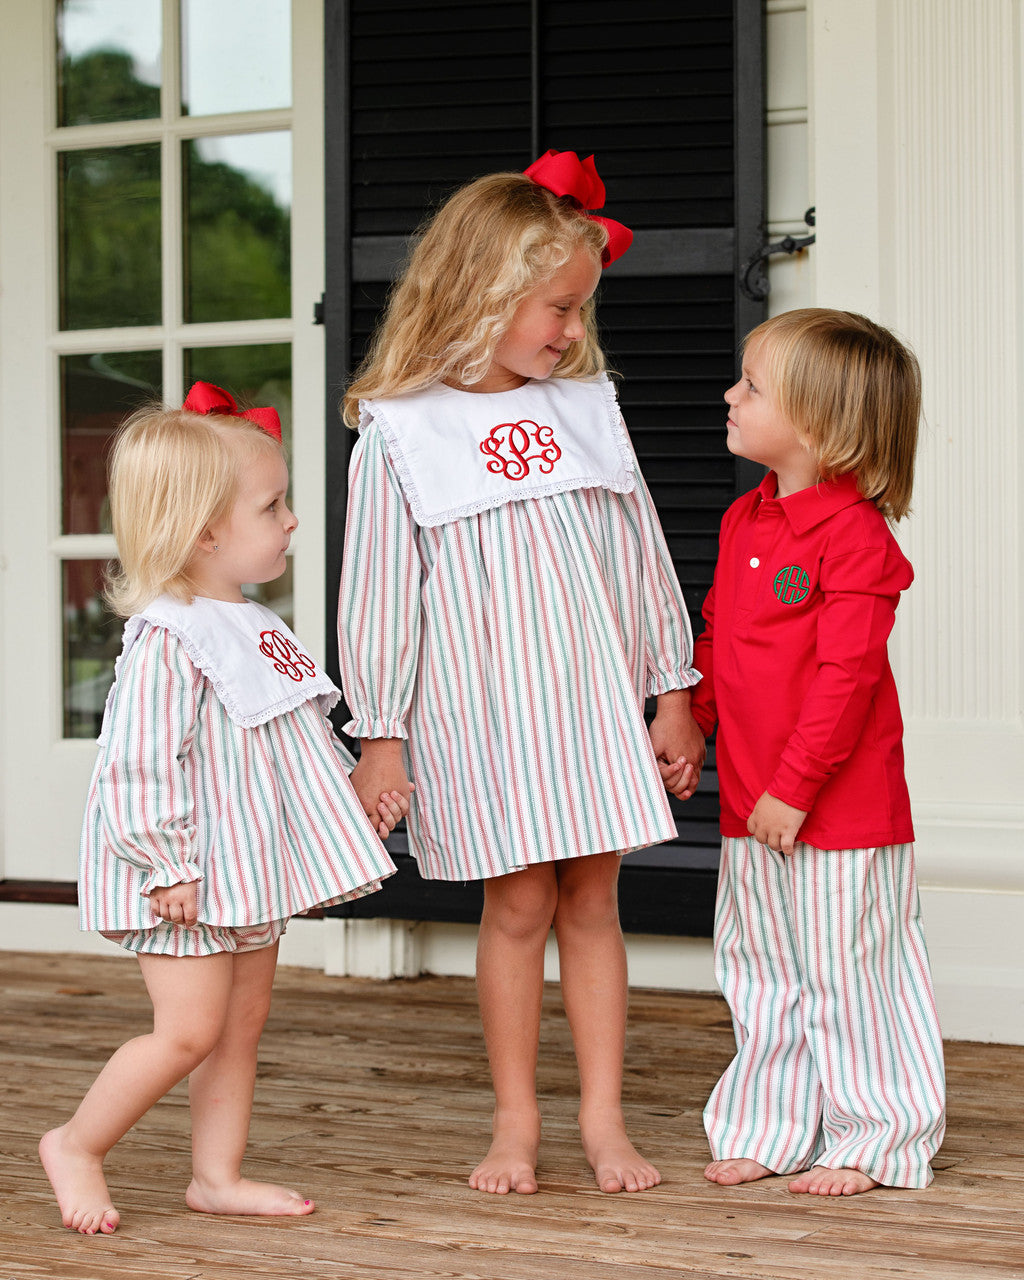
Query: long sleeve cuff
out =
(375, 727)
(705, 720)
(798, 788)
(165, 877)
(666, 681)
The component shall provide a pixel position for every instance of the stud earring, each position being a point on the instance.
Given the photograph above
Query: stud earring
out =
(216, 547)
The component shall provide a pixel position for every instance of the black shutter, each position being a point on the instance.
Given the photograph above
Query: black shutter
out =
(667, 94)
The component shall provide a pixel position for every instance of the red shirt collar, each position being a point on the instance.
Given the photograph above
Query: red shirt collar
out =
(811, 506)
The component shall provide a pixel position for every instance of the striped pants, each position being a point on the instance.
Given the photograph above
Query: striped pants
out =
(821, 957)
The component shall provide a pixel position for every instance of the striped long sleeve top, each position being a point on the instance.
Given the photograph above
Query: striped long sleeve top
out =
(264, 817)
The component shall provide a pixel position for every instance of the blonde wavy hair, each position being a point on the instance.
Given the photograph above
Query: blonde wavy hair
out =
(852, 389)
(476, 259)
(172, 473)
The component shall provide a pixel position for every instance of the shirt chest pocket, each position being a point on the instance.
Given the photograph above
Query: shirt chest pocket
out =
(774, 588)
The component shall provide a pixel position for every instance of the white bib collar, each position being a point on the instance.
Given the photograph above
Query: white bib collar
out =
(257, 667)
(458, 453)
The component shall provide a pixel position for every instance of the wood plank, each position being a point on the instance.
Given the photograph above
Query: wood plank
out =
(374, 1098)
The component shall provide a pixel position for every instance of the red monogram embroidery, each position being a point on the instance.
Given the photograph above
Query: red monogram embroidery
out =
(286, 656)
(508, 445)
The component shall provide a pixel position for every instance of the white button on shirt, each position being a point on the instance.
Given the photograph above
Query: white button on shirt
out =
(754, 562)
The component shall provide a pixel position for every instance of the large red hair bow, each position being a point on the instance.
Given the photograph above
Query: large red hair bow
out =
(206, 398)
(565, 174)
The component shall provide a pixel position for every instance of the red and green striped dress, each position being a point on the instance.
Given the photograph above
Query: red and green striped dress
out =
(513, 649)
(263, 816)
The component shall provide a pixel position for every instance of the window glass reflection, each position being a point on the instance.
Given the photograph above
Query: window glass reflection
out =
(109, 236)
(108, 60)
(97, 393)
(233, 65)
(258, 374)
(92, 641)
(238, 196)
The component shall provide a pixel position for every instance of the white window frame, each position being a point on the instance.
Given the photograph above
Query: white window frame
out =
(43, 776)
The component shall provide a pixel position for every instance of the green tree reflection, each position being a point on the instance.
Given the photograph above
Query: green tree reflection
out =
(238, 261)
(101, 87)
(237, 251)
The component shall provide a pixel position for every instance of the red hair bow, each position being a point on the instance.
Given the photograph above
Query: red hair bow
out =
(564, 174)
(206, 398)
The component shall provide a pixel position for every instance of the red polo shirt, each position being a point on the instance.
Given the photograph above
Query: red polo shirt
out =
(796, 671)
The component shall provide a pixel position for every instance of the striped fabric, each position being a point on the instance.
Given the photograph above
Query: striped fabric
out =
(265, 817)
(198, 940)
(513, 650)
(822, 959)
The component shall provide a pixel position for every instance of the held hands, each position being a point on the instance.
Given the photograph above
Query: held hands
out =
(392, 807)
(381, 783)
(177, 903)
(678, 743)
(775, 823)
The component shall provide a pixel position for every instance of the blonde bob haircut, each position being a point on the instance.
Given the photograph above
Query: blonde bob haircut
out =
(172, 473)
(485, 249)
(853, 391)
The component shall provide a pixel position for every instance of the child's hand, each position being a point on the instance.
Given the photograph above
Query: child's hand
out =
(378, 776)
(678, 743)
(392, 809)
(775, 823)
(679, 776)
(177, 904)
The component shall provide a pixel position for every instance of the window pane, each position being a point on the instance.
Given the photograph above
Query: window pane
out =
(92, 641)
(108, 60)
(97, 392)
(230, 63)
(238, 196)
(255, 375)
(110, 237)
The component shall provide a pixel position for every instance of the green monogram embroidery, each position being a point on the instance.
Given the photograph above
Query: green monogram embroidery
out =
(791, 584)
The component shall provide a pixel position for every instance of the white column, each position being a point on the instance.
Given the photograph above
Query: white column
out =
(954, 271)
(917, 169)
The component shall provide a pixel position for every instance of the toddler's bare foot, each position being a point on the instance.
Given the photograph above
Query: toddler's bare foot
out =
(832, 1182)
(79, 1185)
(616, 1163)
(511, 1162)
(246, 1199)
(730, 1172)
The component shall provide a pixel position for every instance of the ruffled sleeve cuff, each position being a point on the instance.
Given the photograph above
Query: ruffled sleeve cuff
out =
(165, 877)
(375, 727)
(666, 681)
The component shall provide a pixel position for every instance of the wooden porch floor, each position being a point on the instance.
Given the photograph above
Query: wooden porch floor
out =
(373, 1098)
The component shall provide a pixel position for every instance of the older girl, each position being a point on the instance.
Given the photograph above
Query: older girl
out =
(507, 603)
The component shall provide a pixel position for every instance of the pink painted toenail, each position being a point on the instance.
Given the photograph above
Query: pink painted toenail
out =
(307, 1202)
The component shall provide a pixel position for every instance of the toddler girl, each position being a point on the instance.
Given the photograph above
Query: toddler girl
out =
(220, 804)
(819, 947)
(507, 603)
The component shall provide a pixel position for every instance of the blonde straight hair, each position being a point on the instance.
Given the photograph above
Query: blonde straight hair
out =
(172, 473)
(853, 391)
(485, 249)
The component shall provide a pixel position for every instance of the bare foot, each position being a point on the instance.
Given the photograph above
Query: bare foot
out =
(247, 1199)
(79, 1185)
(729, 1173)
(832, 1182)
(616, 1163)
(511, 1162)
